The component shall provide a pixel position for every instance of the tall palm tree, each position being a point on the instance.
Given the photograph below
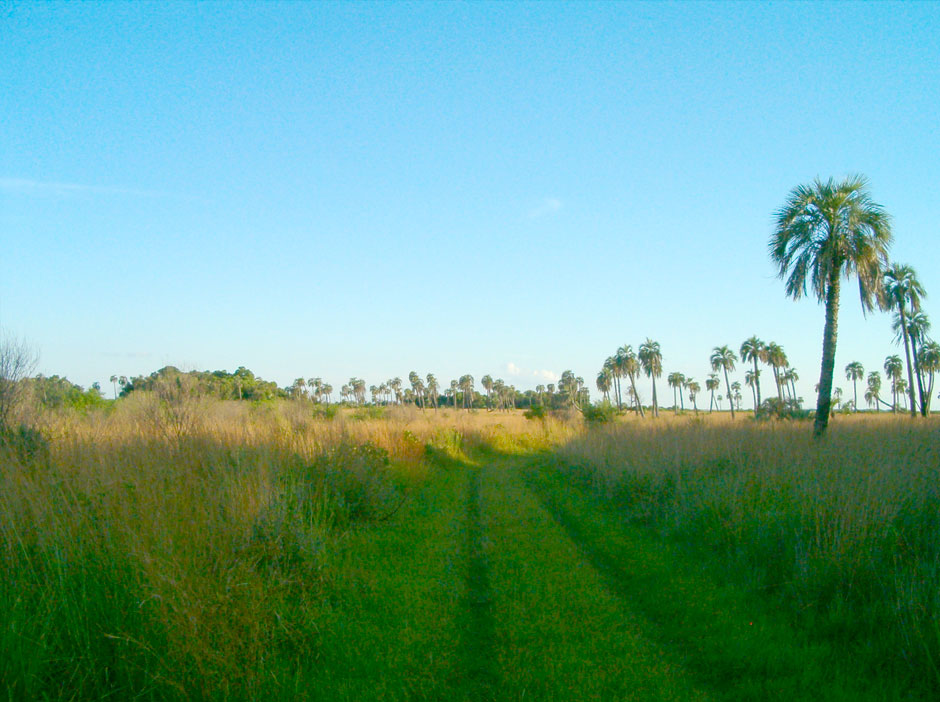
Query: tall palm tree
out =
(918, 324)
(114, 383)
(723, 358)
(651, 359)
(790, 377)
(854, 372)
(894, 369)
(676, 380)
(630, 364)
(825, 231)
(901, 291)
(752, 351)
(712, 383)
(454, 386)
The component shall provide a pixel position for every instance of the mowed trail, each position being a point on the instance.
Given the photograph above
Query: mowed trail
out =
(504, 579)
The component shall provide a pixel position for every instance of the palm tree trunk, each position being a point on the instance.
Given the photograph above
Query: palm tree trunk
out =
(617, 383)
(907, 355)
(636, 396)
(756, 384)
(830, 333)
(920, 378)
(730, 394)
(855, 394)
(655, 403)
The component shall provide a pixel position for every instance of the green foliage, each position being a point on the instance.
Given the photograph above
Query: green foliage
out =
(536, 412)
(599, 414)
(59, 393)
(369, 412)
(774, 408)
(358, 482)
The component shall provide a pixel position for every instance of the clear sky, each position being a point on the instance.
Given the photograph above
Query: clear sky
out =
(315, 189)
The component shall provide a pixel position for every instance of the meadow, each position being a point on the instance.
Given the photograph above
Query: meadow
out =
(274, 551)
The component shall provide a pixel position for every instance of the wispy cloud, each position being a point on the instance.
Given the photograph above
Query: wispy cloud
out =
(27, 186)
(517, 372)
(548, 206)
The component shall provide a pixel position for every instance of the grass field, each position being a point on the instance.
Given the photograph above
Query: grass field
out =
(269, 553)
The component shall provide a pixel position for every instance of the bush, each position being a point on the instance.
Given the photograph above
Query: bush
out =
(601, 413)
(773, 408)
(26, 443)
(536, 412)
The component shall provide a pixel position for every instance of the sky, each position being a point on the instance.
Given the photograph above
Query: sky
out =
(366, 189)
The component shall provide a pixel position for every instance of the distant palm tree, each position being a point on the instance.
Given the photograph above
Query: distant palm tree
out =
(487, 382)
(894, 370)
(614, 369)
(694, 388)
(723, 358)
(752, 351)
(629, 363)
(790, 377)
(873, 395)
(604, 382)
(454, 386)
(824, 231)
(750, 380)
(854, 372)
(651, 360)
(539, 391)
(466, 384)
(114, 383)
(777, 359)
(434, 389)
(675, 381)
(902, 292)
(736, 387)
(712, 383)
(930, 364)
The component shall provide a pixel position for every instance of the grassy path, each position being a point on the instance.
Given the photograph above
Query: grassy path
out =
(504, 580)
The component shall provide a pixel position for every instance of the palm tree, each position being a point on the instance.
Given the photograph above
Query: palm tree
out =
(918, 324)
(823, 232)
(604, 381)
(676, 380)
(487, 382)
(434, 389)
(894, 369)
(693, 388)
(930, 363)
(466, 384)
(651, 359)
(723, 358)
(736, 387)
(539, 390)
(854, 372)
(613, 367)
(711, 384)
(454, 386)
(752, 351)
(791, 376)
(750, 379)
(395, 385)
(114, 383)
(873, 396)
(777, 358)
(629, 364)
(903, 292)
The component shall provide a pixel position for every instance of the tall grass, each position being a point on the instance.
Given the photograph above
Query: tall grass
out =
(183, 554)
(845, 532)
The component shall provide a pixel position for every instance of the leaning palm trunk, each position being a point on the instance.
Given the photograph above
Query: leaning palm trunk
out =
(830, 332)
(636, 396)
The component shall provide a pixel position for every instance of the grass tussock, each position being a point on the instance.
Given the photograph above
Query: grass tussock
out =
(844, 532)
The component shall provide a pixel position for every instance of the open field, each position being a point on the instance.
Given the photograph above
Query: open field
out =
(267, 552)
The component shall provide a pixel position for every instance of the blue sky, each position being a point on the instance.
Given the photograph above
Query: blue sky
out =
(515, 189)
